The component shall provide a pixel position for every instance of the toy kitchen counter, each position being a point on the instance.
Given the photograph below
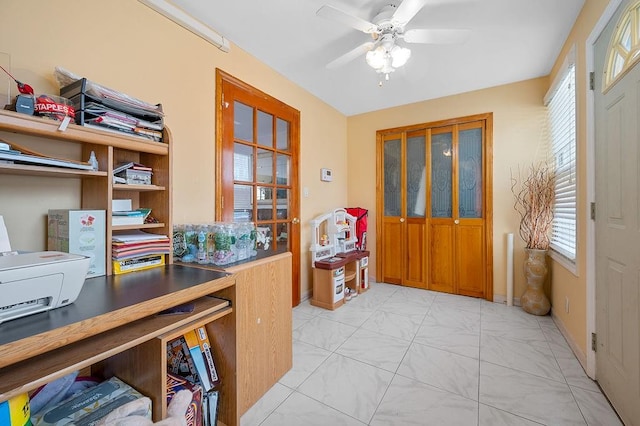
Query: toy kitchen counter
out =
(331, 276)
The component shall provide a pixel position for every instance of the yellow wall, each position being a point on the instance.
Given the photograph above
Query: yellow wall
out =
(518, 136)
(565, 283)
(126, 46)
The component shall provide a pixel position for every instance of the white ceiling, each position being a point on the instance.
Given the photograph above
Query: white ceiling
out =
(511, 40)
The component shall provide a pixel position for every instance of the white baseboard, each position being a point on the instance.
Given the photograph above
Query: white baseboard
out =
(500, 298)
(581, 356)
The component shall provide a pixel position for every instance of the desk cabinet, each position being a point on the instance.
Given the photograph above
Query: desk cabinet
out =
(263, 318)
(113, 329)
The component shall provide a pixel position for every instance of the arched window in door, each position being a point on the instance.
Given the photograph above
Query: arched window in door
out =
(624, 49)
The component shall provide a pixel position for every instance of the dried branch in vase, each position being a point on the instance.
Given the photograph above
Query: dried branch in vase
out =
(534, 202)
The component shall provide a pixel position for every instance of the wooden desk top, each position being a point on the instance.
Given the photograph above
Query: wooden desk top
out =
(106, 303)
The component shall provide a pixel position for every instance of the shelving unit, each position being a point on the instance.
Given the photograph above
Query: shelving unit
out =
(112, 328)
(98, 189)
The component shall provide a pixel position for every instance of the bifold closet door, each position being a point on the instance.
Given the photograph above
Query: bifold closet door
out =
(456, 226)
(404, 209)
(434, 206)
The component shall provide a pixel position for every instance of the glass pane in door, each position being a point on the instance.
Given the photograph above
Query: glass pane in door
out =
(282, 134)
(264, 201)
(470, 173)
(282, 203)
(283, 235)
(392, 178)
(416, 177)
(441, 175)
(242, 122)
(265, 129)
(264, 170)
(242, 162)
(283, 162)
(242, 203)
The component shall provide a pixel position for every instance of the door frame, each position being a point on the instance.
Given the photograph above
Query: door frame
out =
(590, 122)
(294, 206)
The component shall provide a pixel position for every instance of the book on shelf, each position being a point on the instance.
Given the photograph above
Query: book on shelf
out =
(124, 204)
(207, 353)
(121, 254)
(193, 416)
(198, 359)
(142, 212)
(117, 220)
(140, 263)
(179, 360)
(210, 407)
(135, 236)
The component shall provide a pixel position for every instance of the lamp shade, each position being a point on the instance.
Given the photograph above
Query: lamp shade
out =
(376, 57)
(400, 56)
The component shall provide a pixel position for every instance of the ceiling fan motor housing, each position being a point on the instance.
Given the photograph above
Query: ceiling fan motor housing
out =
(383, 20)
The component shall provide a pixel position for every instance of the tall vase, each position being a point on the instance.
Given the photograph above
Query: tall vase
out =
(534, 301)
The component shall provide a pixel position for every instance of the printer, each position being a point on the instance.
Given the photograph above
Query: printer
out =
(38, 281)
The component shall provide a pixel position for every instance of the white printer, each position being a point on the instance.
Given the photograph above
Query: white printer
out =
(39, 281)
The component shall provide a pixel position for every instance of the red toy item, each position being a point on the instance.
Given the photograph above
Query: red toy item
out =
(25, 89)
(361, 225)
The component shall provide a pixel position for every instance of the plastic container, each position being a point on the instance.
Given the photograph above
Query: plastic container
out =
(54, 107)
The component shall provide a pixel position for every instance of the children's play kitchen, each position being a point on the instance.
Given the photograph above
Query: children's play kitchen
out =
(338, 268)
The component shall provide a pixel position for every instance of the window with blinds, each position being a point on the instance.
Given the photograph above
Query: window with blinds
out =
(561, 109)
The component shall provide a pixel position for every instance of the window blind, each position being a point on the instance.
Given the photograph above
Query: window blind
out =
(562, 122)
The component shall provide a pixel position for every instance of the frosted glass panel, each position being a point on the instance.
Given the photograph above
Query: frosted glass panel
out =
(392, 178)
(242, 122)
(416, 177)
(470, 172)
(441, 176)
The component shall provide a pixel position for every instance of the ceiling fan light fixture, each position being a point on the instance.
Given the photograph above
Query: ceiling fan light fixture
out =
(400, 56)
(376, 57)
(385, 60)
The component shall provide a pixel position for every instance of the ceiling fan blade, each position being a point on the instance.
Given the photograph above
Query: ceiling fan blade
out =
(351, 55)
(406, 11)
(436, 36)
(338, 15)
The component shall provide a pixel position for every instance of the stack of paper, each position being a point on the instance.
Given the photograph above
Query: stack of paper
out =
(131, 244)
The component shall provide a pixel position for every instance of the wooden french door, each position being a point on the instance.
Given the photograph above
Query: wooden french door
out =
(257, 148)
(434, 206)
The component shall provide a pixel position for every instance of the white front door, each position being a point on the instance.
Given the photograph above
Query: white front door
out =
(618, 234)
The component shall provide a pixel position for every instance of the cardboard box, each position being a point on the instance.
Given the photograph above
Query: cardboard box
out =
(79, 232)
(92, 404)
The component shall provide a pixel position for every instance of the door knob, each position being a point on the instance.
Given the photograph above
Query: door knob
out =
(456, 221)
(401, 219)
(295, 221)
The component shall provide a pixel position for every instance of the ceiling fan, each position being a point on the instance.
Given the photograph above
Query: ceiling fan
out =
(383, 53)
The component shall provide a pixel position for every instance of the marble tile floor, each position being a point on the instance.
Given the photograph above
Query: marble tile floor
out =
(403, 356)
